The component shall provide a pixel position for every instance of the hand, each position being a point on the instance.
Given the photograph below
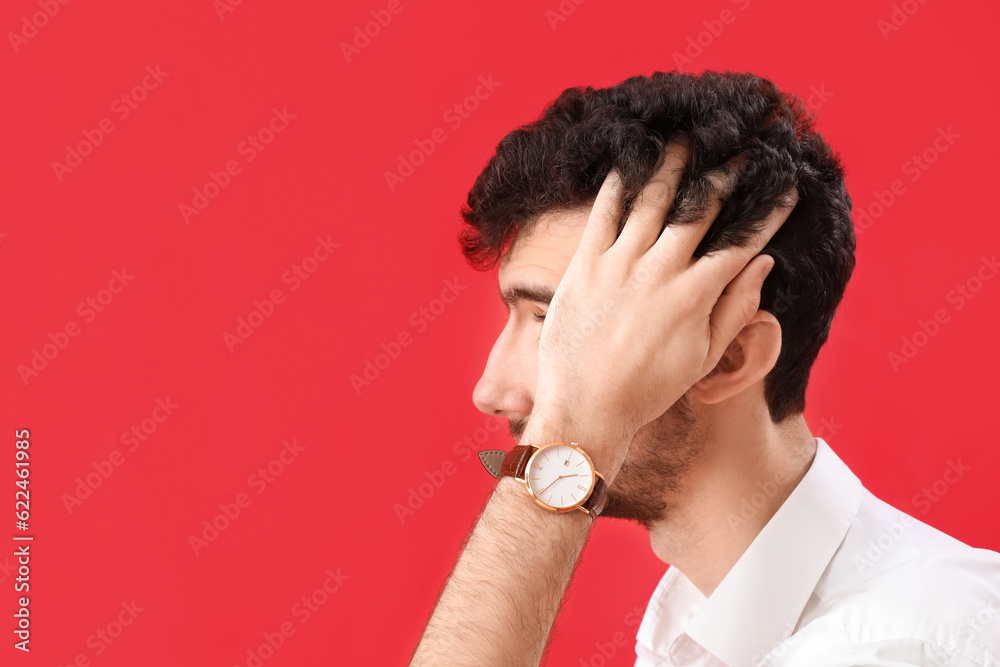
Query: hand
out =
(637, 320)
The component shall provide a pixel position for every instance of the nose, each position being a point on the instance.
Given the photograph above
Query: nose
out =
(507, 385)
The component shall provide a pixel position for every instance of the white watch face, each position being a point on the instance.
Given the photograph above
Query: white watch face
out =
(561, 476)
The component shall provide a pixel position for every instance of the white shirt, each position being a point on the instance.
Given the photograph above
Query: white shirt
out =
(837, 578)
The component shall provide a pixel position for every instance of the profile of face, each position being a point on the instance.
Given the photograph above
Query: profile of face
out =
(659, 454)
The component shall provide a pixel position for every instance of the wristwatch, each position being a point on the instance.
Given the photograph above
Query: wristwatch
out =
(559, 476)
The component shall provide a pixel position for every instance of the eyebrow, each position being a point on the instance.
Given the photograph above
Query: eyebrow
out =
(537, 292)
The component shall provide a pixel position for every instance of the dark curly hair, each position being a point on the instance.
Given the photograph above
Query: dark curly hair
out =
(559, 161)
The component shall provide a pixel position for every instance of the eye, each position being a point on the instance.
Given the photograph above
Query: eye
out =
(539, 317)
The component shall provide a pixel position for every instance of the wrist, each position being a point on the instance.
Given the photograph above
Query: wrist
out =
(605, 443)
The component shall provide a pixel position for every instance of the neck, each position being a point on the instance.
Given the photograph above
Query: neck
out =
(747, 468)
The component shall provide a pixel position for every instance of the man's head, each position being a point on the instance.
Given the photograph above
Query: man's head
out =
(527, 209)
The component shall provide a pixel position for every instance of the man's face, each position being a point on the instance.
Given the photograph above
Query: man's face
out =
(529, 273)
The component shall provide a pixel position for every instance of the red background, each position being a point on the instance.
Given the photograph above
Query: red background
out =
(886, 96)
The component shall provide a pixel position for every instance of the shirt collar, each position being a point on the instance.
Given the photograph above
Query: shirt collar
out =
(759, 602)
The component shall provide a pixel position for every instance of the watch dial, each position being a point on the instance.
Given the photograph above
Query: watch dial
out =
(560, 476)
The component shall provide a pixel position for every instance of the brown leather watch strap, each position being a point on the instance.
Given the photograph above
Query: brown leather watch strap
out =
(517, 461)
(598, 497)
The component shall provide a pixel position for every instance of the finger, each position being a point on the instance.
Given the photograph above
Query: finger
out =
(736, 307)
(679, 241)
(719, 268)
(650, 209)
(602, 224)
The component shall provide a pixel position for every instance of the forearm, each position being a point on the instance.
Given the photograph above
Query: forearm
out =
(501, 600)
(500, 603)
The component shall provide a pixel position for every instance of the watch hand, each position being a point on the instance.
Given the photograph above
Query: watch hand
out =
(553, 482)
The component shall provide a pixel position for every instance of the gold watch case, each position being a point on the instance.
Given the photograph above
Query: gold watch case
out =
(542, 503)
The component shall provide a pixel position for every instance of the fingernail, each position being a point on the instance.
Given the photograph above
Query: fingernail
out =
(767, 270)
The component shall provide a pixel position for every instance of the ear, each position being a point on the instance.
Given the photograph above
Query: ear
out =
(750, 357)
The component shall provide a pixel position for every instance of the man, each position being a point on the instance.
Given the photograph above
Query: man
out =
(645, 328)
